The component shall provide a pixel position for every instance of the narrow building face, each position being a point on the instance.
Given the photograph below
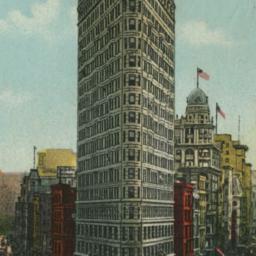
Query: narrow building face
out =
(63, 230)
(125, 127)
(183, 213)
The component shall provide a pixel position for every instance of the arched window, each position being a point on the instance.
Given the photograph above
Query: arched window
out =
(189, 157)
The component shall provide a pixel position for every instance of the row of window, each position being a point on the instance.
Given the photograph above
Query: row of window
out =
(150, 140)
(153, 159)
(100, 160)
(98, 177)
(152, 232)
(98, 194)
(157, 177)
(159, 41)
(85, 7)
(156, 127)
(127, 233)
(159, 249)
(167, 7)
(151, 212)
(157, 194)
(129, 192)
(106, 124)
(99, 143)
(130, 211)
(191, 163)
(152, 70)
(114, 86)
(107, 17)
(106, 250)
(99, 110)
(105, 73)
(157, 109)
(159, 93)
(157, 58)
(97, 231)
(98, 92)
(96, 249)
(98, 212)
(99, 58)
(113, 157)
(129, 98)
(112, 175)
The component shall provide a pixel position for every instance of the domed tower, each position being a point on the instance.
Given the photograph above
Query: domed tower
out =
(197, 106)
(197, 159)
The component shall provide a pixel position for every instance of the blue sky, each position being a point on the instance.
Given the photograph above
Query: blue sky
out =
(38, 71)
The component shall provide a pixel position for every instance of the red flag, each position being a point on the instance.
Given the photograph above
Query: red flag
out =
(219, 110)
(202, 74)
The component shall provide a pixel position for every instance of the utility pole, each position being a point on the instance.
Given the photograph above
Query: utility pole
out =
(34, 157)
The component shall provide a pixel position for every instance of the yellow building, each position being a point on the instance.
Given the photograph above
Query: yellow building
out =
(49, 159)
(247, 181)
(233, 156)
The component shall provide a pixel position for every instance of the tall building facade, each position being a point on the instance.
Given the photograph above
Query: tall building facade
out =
(125, 127)
(197, 159)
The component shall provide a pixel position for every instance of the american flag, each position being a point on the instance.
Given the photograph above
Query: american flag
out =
(219, 110)
(202, 74)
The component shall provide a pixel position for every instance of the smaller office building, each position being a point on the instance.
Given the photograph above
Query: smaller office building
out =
(183, 213)
(63, 223)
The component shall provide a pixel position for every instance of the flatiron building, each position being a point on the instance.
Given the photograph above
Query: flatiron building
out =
(125, 128)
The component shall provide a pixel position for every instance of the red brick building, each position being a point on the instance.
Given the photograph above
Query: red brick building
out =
(63, 222)
(183, 214)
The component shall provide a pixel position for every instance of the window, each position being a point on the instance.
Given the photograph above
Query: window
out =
(131, 117)
(131, 135)
(131, 212)
(132, 61)
(132, 80)
(132, 6)
(132, 42)
(132, 24)
(187, 216)
(131, 173)
(132, 97)
(131, 192)
(187, 200)
(131, 154)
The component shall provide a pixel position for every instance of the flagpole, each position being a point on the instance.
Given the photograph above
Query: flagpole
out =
(239, 128)
(216, 117)
(197, 78)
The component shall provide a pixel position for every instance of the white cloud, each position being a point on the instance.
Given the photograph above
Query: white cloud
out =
(39, 22)
(9, 98)
(199, 33)
(3, 26)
